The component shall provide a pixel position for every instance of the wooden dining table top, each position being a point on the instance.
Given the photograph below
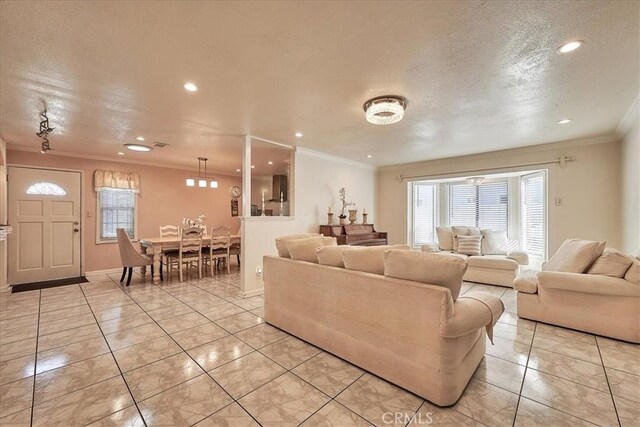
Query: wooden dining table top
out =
(150, 241)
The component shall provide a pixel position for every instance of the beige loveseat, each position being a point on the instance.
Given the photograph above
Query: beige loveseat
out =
(599, 300)
(419, 336)
(493, 266)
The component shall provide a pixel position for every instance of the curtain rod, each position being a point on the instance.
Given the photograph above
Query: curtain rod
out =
(562, 161)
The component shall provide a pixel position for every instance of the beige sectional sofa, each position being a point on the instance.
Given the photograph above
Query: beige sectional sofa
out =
(417, 335)
(602, 298)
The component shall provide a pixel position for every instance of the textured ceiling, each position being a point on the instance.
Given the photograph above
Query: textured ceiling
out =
(479, 76)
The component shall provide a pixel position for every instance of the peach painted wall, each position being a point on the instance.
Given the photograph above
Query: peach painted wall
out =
(163, 199)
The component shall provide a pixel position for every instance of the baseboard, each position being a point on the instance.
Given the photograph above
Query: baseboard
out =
(102, 272)
(254, 292)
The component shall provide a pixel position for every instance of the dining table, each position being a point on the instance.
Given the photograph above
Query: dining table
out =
(156, 245)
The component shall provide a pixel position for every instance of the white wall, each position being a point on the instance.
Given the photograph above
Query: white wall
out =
(3, 213)
(318, 178)
(589, 187)
(631, 182)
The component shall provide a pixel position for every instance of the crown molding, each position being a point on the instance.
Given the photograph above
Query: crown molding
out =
(337, 159)
(632, 114)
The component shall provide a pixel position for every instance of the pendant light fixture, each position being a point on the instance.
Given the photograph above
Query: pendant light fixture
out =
(202, 180)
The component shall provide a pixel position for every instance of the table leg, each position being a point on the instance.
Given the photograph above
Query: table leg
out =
(143, 269)
(157, 256)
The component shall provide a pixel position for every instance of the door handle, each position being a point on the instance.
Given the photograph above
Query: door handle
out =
(76, 230)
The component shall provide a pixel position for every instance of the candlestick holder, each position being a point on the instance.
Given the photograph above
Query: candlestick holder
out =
(281, 207)
(364, 218)
(263, 210)
(330, 218)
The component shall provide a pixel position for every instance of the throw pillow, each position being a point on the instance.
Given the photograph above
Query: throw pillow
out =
(575, 256)
(463, 231)
(494, 242)
(469, 245)
(331, 255)
(633, 273)
(304, 249)
(368, 259)
(433, 269)
(281, 242)
(612, 263)
(445, 238)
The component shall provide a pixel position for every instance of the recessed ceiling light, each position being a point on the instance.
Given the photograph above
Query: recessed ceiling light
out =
(120, 153)
(564, 121)
(237, 170)
(253, 167)
(298, 135)
(140, 138)
(137, 147)
(270, 162)
(570, 47)
(369, 156)
(191, 87)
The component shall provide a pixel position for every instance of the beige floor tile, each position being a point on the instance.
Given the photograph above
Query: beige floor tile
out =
(514, 320)
(52, 299)
(372, 397)
(168, 312)
(116, 312)
(63, 314)
(52, 326)
(576, 349)
(239, 322)
(129, 337)
(182, 322)
(15, 369)
(19, 419)
(534, 414)
(146, 352)
(91, 289)
(161, 375)
(487, 404)
(85, 405)
(328, 373)
(16, 396)
(287, 400)
(19, 323)
(194, 337)
(432, 415)
(569, 334)
(334, 414)
(619, 345)
(508, 350)
(501, 373)
(215, 353)
(290, 352)
(185, 404)
(258, 312)
(15, 312)
(513, 333)
(230, 416)
(261, 335)
(72, 353)
(624, 385)
(69, 378)
(620, 360)
(221, 311)
(123, 323)
(129, 417)
(17, 349)
(62, 305)
(575, 399)
(569, 368)
(245, 374)
(250, 303)
(496, 291)
(70, 336)
(628, 411)
(15, 333)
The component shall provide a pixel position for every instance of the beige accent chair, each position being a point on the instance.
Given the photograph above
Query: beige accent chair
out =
(218, 248)
(189, 252)
(130, 257)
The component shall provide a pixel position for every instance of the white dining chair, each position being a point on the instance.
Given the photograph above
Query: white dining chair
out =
(218, 249)
(189, 252)
(168, 232)
(130, 257)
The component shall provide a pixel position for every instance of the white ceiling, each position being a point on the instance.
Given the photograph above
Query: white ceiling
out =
(479, 75)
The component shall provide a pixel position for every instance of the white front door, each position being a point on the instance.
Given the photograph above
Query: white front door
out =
(44, 211)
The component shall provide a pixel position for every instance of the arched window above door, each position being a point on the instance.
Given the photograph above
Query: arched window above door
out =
(46, 189)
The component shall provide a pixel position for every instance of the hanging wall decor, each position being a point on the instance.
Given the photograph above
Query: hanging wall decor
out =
(45, 130)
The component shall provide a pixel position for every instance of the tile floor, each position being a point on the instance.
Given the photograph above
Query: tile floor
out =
(195, 353)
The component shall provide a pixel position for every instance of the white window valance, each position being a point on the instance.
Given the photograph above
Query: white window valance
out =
(115, 179)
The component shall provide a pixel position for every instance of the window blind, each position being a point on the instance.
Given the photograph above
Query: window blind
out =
(424, 213)
(533, 214)
(484, 205)
(117, 210)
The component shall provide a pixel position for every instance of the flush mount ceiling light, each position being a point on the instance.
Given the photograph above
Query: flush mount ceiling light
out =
(140, 138)
(369, 156)
(137, 147)
(191, 87)
(298, 135)
(564, 121)
(385, 110)
(120, 153)
(570, 47)
(202, 180)
(475, 180)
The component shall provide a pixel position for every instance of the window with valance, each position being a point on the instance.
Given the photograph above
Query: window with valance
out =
(117, 204)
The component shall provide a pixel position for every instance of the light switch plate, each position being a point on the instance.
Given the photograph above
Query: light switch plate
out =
(559, 201)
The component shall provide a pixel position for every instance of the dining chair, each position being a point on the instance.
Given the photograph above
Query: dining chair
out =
(168, 232)
(218, 249)
(234, 249)
(130, 257)
(190, 251)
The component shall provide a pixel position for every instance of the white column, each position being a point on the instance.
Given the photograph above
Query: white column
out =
(246, 208)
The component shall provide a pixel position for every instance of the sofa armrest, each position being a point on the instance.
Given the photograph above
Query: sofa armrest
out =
(587, 283)
(471, 312)
(519, 256)
(526, 281)
(430, 247)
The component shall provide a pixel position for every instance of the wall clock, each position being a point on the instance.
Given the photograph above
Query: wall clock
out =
(235, 191)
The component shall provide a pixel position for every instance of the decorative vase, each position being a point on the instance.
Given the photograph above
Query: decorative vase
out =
(343, 219)
(352, 216)
(330, 218)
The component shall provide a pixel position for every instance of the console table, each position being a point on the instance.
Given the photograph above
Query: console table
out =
(355, 234)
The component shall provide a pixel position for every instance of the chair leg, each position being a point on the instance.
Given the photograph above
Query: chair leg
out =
(151, 271)
(180, 271)
(228, 261)
(238, 259)
(161, 278)
(200, 267)
(124, 272)
(129, 277)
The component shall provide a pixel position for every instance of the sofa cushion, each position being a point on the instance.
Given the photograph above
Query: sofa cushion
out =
(469, 245)
(494, 242)
(519, 256)
(633, 273)
(496, 262)
(433, 269)
(304, 249)
(331, 255)
(281, 242)
(445, 238)
(463, 231)
(526, 281)
(587, 283)
(430, 247)
(368, 259)
(612, 263)
(575, 256)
